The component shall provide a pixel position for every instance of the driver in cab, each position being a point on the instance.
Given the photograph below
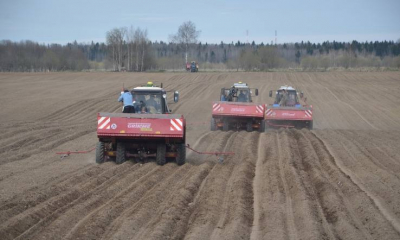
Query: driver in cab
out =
(242, 96)
(152, 105)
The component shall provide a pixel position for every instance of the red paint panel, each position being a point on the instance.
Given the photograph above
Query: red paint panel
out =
(238, 109)
(125, 127)
(286, 114)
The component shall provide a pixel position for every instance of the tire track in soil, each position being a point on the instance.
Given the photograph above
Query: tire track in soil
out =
(336, 208)
(57, 224)
(218, 140)
(42, 144)
(287, 209)
(373, 154)
(96, 220)
(96, 224)
(227, 215)
(362, 206)
(48, 209)
(338, 184)
(377, 185)
(20, 203)
(174, 210)
(122, 226)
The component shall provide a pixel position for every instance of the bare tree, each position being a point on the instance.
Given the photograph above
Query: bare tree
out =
(186, 35)
(129, 42)
(115, 39)
(140, 42)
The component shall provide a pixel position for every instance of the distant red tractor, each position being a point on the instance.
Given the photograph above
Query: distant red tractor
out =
(151, 132)
(236, 110)
(291, 113)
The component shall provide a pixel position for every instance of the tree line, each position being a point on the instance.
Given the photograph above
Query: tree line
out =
(130, 49)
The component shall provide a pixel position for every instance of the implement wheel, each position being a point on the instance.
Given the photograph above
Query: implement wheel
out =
(225, 126)
(181, 154)
(262, 126)
(213, 127)
(120, 153)
(160, 156)
(100, 152)
(249, 126)
(310, 125)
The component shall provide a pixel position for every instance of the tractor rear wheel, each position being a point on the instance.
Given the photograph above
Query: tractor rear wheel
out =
(120, 158)
(100, 152)
(160, 156)
(213, 127)
(181, 154)
(262, 126)
(225, 126)
(310, 125)
(249, 126)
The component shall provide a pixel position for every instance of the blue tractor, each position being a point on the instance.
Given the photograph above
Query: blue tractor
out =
(194, 67)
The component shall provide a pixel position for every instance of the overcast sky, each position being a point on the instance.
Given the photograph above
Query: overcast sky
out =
(61, 21)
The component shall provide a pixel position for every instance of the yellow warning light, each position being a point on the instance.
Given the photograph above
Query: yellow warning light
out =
(149, 84)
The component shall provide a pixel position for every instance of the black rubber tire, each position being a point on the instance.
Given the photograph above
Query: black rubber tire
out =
(225, 126)
(310, 125)
(181, 154)
(249, 126)
(262, 126)
(213, 127)
(160, 156)
(100, 152)
(120, 158)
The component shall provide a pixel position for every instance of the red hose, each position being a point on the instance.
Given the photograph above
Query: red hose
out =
(210, 153)
(75, 152)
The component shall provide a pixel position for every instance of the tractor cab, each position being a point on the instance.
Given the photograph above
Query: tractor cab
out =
(292, 100)
(239, 92)
(150, 99)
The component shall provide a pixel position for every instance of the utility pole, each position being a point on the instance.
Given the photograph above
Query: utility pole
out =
(276, 34)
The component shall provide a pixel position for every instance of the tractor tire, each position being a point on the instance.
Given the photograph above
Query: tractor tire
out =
(225, 126)
(120, 158)
(262, 126)
(310, 125)
(181, 154)
(213, 126)
(249, 126)
(160, 156)
(100, 152)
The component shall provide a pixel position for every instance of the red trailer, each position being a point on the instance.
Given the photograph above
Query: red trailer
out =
(236, 110)
(152, 132)
(290, 113)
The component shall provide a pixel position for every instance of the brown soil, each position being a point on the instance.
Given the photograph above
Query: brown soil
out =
(338, 181)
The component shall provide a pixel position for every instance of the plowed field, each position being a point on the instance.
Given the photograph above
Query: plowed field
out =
(338, 181)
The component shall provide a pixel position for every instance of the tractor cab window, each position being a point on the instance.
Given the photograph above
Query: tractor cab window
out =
(235, 95)
(225, 95)
(290, 101)
(243, 95)
(292, 98)
(148, 103)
